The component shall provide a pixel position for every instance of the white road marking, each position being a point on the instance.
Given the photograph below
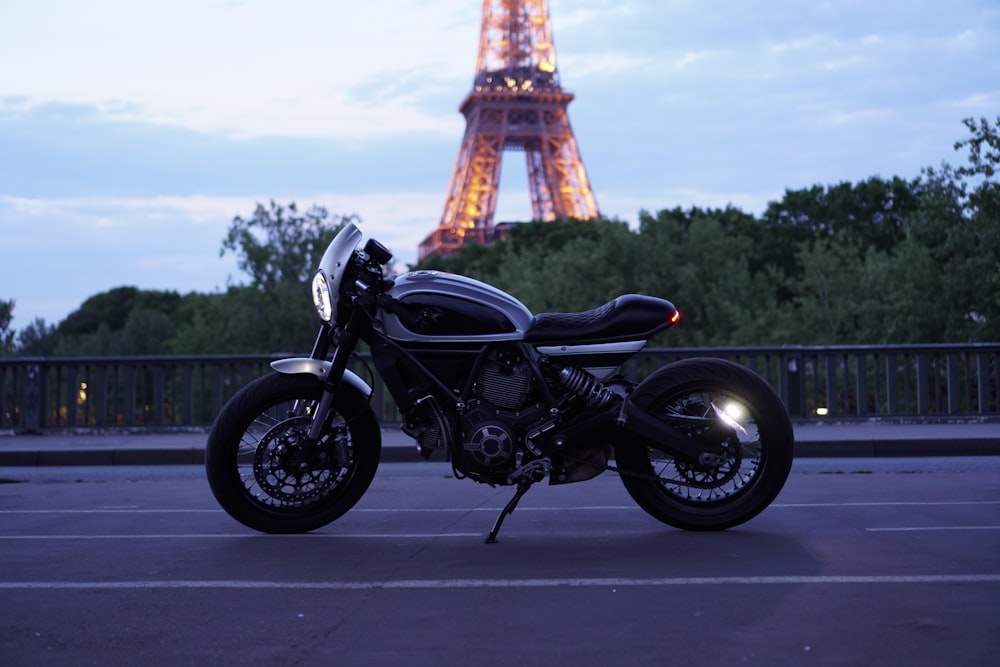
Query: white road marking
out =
(229, 536)
(417, 510)
(913, 529)
(936, 503)
(609, 582)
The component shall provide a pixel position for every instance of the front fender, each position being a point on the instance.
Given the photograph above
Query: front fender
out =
(320, 368)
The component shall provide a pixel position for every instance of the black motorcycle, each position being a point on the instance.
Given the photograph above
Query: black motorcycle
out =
(509, 398)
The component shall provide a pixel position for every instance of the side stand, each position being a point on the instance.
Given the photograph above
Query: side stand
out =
(522, 488)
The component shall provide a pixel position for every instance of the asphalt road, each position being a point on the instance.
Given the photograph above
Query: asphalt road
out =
(858, 562)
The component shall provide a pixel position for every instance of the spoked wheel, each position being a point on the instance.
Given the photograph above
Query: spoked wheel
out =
(732, 484)
(263, 475)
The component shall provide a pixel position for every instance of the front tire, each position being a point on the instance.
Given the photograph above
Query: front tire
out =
(255, 465)
(756, 460)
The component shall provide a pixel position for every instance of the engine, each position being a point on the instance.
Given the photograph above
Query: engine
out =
(503, 425)
(489, 429)
(487, 438)
(505, 381)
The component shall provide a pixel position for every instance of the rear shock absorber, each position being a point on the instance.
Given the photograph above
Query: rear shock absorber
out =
(586, 386)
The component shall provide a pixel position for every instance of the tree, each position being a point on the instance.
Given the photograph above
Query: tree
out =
(7, 347)
(279, 249)
(113, 307)
(984, 149)
(707, 263)
(983, 211)
(38, 339)
(278, 245)
(566, 265)
(831, 292)
(120, 321)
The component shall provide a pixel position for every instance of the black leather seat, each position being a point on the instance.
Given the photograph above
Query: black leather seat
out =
(628, 317)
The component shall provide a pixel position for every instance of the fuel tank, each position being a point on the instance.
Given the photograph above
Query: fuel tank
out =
(433, 306)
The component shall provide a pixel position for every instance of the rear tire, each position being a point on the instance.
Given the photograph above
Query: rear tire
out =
(710, 497)
(253, 459)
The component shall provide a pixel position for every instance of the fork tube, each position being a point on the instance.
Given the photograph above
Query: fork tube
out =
(347, 340)
(322, 345)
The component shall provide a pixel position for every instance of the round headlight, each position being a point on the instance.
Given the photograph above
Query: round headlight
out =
(321, 297)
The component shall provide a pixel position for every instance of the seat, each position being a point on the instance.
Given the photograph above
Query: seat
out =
(628, 317)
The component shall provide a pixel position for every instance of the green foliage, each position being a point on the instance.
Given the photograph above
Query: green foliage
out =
(245, 320)
(983, 212)
(707, 263)
(112, 309)
(38, 339)
(563, 265)
(278, 248)
(7, 334)
(984, 148)
(279, 245)
(121, 321)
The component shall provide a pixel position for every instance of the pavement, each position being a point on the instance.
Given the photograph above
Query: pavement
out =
(840, 440)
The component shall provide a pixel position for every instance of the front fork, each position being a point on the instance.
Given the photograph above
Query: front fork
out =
(346, 340)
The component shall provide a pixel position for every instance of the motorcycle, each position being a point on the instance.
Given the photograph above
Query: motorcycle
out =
(508, 397)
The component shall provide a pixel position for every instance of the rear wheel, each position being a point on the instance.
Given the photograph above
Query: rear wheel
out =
(257, 467)
(726, 489)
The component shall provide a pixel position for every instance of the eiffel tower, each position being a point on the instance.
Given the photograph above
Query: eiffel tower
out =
(517, 104)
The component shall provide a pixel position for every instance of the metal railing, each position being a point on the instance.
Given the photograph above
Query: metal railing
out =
(925, 382)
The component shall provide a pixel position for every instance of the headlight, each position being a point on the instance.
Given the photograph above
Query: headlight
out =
(321, 297)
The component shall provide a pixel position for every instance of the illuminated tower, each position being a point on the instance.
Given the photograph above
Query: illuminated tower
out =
(516, 103)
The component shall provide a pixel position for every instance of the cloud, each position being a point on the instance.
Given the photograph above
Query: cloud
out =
(601, 64)
(575, 15)
(64, 150)
(252, 69)
(976, 102)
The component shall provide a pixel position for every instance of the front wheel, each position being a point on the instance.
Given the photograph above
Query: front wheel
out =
(260, 473)
(736, 485)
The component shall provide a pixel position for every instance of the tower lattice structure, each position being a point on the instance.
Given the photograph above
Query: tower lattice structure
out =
(517, 104)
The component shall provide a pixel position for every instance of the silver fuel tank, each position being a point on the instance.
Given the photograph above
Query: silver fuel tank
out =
(439, 307)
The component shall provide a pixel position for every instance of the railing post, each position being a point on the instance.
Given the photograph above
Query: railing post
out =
(983, 381)
(923, 388)
(790, 380)
(861, 382)
(130, 406)
(158, 398)
(891, 384)
(187, 394)
(953, 384)
(833, 402)
(33, 398)
(97, 394)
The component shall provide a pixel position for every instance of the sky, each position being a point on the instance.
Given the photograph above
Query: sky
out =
(131, 133)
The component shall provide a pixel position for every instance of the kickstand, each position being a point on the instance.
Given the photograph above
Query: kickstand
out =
(522, 488)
